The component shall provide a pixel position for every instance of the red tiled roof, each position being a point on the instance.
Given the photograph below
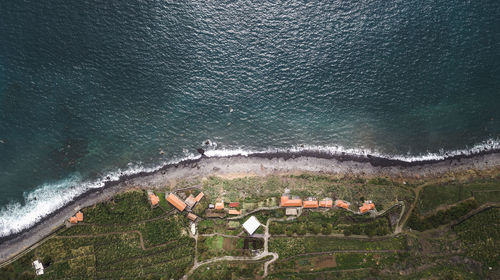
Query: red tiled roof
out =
(234, 212)
(234, 204)
(219, 205)
(311, 204)
(286, 202)
(73, 220)
(154, 199)
(342, 204)
(192, 216)
(79, 216)
(176, 202)
(199, 196)
(326, 203)
(366, 207)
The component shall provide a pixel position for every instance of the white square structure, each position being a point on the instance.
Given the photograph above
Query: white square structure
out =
(38, 267)
(251, 225)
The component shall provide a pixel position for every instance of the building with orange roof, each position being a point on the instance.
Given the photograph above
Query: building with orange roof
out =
(73, 220)
(199, 197)
(79, 216)
(192, 217)
(367, 206)
(176, 202)
(153, 198)
(190, 201)
(234, 204)
(342, 204)
(327, 203)
(219, 205)
(234, 212)
(310, 204)
(287, 202)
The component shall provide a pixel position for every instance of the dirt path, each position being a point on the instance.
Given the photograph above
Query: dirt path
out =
(404, 219)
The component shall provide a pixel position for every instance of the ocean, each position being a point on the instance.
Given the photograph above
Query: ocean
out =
(90, 89)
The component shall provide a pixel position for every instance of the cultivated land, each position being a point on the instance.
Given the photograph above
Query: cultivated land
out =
(444, 226)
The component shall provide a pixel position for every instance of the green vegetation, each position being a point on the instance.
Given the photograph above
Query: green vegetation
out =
(290, 246)
(126, 239)
(434, 196)
(217, 246)
(230, 270)
(124, 209)
(442, 216)
(480, 235)
(333, 221)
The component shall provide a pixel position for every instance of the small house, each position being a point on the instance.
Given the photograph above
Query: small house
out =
(251, 225)
(73, 220)
(234, 204)
(153, 199)
(79, 216)
(219, 205)
(211, 206)
(342, 204)
(234, 212)
(367, 206)
(192, 217)
(326, 203)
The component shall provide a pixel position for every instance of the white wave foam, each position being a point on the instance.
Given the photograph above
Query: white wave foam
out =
(47, 198)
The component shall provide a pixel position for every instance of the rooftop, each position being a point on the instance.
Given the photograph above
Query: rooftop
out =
(251, 225)
(176, 202)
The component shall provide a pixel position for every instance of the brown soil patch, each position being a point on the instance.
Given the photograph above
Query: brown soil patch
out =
(229, 244)
(325, 261)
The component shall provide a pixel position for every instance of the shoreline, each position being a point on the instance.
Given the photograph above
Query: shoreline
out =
(257, 164)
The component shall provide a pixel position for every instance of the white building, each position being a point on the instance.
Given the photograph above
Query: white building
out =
(251, 225)
(38, 267)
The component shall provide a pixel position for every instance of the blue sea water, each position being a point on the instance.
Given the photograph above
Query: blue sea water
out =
(88, 88)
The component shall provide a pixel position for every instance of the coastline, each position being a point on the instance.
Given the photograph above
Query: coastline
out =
(257, 164)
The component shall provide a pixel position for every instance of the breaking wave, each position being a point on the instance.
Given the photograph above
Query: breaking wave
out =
(50, 197)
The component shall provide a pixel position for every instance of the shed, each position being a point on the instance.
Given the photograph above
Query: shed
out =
(192, 217)
(251, 225)
(38, 267)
